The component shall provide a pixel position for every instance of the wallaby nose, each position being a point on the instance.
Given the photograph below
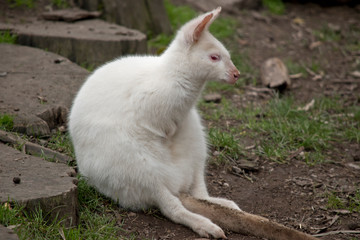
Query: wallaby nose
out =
(236, 74)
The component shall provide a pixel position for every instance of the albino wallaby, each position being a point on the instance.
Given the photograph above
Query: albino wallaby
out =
(137, 135)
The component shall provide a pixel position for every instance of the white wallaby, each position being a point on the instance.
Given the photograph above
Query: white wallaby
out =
(137, 135)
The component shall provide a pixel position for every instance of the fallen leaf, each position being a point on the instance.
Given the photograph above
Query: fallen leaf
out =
(355, 74)
(315, 45)
(299, 21)
(296, 75)
(308, 106)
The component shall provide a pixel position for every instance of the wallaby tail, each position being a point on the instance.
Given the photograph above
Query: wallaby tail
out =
(242, 222)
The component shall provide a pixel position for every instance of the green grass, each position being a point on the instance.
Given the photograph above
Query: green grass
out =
(62, 143)
(7, 37)
(178, 15)
(60, 3)
(88, 66)
(96, 220)
(222, 28)
(350, 202)
(225, 144)
(295, 68)
(22, 3)
(281, 128)
(6, 122)
(274, 6)
(327, 34)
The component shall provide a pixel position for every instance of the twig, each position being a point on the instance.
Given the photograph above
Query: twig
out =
(336, 232)
(297, 152)
(255, 89)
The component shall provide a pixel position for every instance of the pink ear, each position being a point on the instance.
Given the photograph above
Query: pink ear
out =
(200, 28)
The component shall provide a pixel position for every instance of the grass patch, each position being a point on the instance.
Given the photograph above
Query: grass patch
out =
(294, 68)
(88, 66)
(327, 34)
(62, 143)
(178, 15)
(274, 6)
(280, 127)
(7, 37)
(6, 122)
(60, 3)
(225, 145)
(222, 28)
(350, 202)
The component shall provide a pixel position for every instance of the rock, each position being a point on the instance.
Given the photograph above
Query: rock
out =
(89, 42)
(274, 74)
(32, 72)
(356, 156)
(212, 97)
(7, 234)
(70, 15)
(43, 184)
(334, 27)
(16, 180)
(230, 6)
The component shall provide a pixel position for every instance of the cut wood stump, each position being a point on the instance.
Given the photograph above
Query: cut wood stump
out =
(38, 88)
(88, 42)
(7, 234)
(35, 183)
(70, 15)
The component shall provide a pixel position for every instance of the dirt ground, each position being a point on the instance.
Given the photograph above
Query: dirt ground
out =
(293, 194)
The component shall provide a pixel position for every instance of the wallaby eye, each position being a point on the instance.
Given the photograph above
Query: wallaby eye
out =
(215, 57)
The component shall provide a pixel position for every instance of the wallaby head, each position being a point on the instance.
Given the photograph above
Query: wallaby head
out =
(199, 51)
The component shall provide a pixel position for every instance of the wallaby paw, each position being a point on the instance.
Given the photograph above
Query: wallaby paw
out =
(208, 230)
(225, 203)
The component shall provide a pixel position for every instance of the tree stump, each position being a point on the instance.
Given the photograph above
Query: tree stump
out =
(36, 183)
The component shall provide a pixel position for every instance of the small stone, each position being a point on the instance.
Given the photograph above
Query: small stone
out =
(334, 27)
(131, 214)
(212, 97)
(75, 181)
(236, 169)
(16, 180)
(62, 129)
(356, 157)
(314, 45)
(226, 185)
(59, 60)
(3, 74)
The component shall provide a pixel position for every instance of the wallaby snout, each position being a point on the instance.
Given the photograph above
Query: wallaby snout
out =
(234, 75)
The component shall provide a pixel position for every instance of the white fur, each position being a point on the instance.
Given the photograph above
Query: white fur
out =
(137, 135)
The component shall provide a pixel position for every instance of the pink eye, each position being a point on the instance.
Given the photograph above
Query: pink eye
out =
(215, 57)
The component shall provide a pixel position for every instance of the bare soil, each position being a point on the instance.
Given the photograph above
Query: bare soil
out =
(294, 194)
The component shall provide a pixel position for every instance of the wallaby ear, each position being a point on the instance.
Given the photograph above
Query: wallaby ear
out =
(195, 28)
